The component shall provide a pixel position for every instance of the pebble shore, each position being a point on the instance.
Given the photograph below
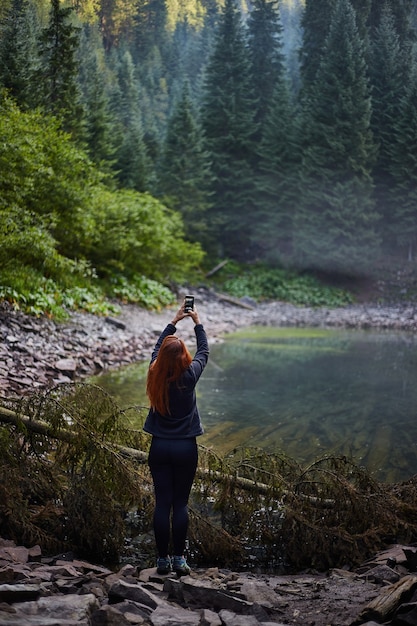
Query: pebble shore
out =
(36, 353)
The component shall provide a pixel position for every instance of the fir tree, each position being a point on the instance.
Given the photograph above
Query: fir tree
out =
(315, 23)
(265, 51)
(94, 79)
(58, 72)
(336, 223)
(227, 115)
(403, 171)
(278, 184)
(131, 159)
(185, 170)
(18, 52)
(388, 81)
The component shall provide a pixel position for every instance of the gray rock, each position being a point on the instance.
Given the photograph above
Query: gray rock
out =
(231, 619)
(109, 615)
(123, 590)
(19, 593)
(170, 616)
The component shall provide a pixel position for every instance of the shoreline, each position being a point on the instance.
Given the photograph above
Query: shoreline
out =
(37, 353)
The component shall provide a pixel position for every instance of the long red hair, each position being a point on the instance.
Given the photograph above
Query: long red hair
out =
(172, 360)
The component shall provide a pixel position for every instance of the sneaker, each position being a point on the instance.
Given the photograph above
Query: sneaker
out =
(163, 565)
(180, 566)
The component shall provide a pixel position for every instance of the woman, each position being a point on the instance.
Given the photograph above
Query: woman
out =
(174, 423)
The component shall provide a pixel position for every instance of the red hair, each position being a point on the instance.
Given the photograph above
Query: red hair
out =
(172, 360)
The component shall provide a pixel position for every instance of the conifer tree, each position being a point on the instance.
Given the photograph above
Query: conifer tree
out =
(94, 80)
(278, 183)
(403, 170)
(315, 23)
(58, 71)
(336, 223)
(388, 79)
(227, 115)
(184, 168)
(18, 52)
(131, 159)
(265, 51)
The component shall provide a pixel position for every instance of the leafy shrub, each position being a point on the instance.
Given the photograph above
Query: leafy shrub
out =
(28, 290)
(136, 234)
(263, 283)
(42, 172)
(61, 228)
(146, 292)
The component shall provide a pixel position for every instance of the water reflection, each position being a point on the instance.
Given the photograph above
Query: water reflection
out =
(306, 392)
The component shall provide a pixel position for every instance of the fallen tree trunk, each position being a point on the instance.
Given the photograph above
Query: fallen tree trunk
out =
(43, 428)
(235, 301)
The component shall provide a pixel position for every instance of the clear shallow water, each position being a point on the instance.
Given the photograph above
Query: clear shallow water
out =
(306, 392)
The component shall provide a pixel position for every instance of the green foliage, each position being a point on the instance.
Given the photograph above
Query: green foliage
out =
(30, 291)
(335, 226)
(185, 169)
(136, 234)
(60, 227)
(140, 290)
(228, 120)
(263, 283)
(43, 173)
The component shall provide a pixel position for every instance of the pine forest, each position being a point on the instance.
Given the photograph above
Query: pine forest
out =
(142, 142)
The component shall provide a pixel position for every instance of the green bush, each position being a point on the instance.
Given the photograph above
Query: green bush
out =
(263, 283)
(62, 229)
(28, 290)
(136, 234)
(143, 291)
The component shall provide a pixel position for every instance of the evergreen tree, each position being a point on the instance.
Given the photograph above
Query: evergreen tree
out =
(278, 183)
(58, 72)
(265, 51)
(94, 84)
(227, 115)
(185, 171)
(131, 159)
(401, 10)
(388, 81)
(18, 52)
(315, 23)
(149, 26)
(403, 170)
(336, 223)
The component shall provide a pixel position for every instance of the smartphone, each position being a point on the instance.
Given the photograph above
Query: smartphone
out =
(189, 303)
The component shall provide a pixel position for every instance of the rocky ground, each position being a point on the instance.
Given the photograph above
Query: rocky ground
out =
(65, 591)
(38, 353)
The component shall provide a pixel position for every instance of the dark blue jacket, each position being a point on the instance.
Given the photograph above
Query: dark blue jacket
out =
(184, 420)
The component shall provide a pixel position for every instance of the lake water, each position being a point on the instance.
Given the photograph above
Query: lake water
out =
(307, 393)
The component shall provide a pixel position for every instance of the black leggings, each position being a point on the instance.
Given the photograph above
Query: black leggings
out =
(173, 463)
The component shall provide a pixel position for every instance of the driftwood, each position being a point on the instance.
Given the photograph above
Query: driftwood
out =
(235, 301)
(384, 605)
(216, 268)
